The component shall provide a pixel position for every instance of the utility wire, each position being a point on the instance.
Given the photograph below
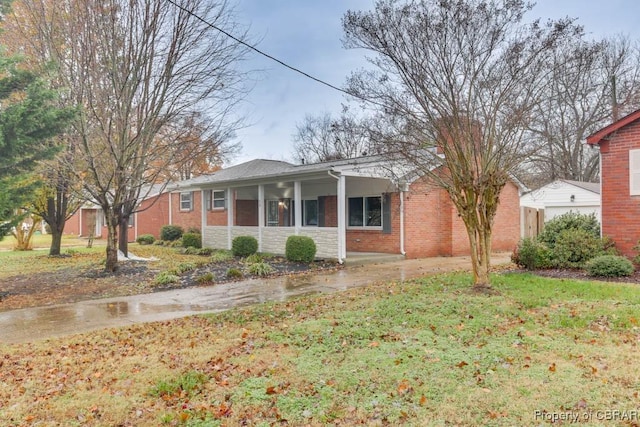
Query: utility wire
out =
(266, 55)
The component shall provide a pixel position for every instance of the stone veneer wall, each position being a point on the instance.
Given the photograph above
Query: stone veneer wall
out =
(326, 239)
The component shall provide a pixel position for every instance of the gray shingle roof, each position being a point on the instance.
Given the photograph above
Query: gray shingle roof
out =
(594, 187)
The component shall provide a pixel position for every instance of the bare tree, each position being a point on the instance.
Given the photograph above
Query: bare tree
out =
(137, 67)
(459, 81)
(591, 83)
(323, 137)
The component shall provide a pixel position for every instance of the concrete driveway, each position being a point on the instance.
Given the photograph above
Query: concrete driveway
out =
(65, 319)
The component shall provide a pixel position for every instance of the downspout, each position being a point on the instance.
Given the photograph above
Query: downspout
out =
(402, 251)
(340, 260)
(170, 210)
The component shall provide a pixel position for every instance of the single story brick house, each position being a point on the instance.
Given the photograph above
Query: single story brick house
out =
(619, 145)
(152, 214)
(355, 205)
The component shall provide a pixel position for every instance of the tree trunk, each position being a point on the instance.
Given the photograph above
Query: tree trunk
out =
(111, 264)
(479, 259)
(56, 241)
(123, 238)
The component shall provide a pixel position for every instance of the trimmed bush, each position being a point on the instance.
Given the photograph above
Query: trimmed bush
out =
(568, 221)
(574, 247)
(243, 246)
(260, 269)
(146, 239)
(300, 249)
(171, 232)
(193, 230)
(531, 254)
(192, 240)
(609, 266)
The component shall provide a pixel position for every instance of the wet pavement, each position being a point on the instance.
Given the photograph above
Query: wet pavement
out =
(38, 323)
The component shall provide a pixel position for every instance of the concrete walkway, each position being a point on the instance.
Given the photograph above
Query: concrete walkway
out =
(32, 324)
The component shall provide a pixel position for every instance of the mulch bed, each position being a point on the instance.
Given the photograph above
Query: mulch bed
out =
(69, 285)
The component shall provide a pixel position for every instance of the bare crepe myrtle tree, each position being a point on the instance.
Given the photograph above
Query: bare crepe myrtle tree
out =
(458, 82)
(139, 69)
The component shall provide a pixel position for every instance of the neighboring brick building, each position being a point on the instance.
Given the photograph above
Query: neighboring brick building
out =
(619, 145)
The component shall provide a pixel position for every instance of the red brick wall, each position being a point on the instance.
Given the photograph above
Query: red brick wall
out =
(620, 210)
(72, 226)
(154, 213)
(186, 219)
(377, 240)
(330, 211)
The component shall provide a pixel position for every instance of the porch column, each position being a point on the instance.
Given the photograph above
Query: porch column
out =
(203, 213)
(230, 204)
(297, 205)
(260, 215)
(342, 217)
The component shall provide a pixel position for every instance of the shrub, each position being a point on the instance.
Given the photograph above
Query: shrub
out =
(260, 269)
(145, 239)
(184, 267)
(159, 243)
(531, 254)
(189, 251)
(205, 251)
(206, 278)
(175, 243)
(234, 273)
(609, 266)
(574, 247)
(171, 232)
(193, 230)
(192, 240)
(253, 259)
(221, 256)
(568, 221)
(244, 246)
(166, 277)
(300, 249)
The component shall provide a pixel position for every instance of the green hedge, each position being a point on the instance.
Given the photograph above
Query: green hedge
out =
(146, 239)
(532, 255)
(244, 246)
(193, 240)
(300, 249)
(609, 266)
(171, 232)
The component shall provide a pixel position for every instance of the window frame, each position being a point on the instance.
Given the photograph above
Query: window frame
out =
(634, 170)
(214, 199)
(182, 202)
(364, 213)
(304, 213)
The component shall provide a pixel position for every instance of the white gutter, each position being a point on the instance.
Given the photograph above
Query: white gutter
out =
(340, 230)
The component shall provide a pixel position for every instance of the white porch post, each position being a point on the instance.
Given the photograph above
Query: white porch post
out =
(297, 203)
(80, 221)
(203, 218)
(170, 211)
(260, 215)
(342, 218)
(230, 204)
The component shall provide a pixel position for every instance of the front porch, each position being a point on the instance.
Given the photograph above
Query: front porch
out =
(325, 208)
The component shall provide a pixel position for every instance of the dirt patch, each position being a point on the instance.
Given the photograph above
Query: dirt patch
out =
(73, 284)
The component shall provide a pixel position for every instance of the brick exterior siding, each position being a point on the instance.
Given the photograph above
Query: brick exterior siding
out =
(620, 210)
(154, 213)
(184, 218)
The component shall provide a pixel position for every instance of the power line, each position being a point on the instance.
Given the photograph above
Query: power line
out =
(266, 55)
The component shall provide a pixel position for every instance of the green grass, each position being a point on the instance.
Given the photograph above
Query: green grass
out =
(428, 352)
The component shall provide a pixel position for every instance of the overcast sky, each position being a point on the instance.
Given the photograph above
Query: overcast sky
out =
(307, 35)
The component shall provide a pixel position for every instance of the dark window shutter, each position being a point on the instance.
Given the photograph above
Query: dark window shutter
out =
(321, 203)
(386, 213)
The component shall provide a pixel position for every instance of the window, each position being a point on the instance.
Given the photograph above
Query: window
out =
(365, 211)
(310, 212)
(186, 200)
(218, 198)
(634, 172)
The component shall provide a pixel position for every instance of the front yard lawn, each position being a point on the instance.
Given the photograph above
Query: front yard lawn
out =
(427, 352)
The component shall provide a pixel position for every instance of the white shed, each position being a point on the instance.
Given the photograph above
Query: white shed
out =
(562, 196)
